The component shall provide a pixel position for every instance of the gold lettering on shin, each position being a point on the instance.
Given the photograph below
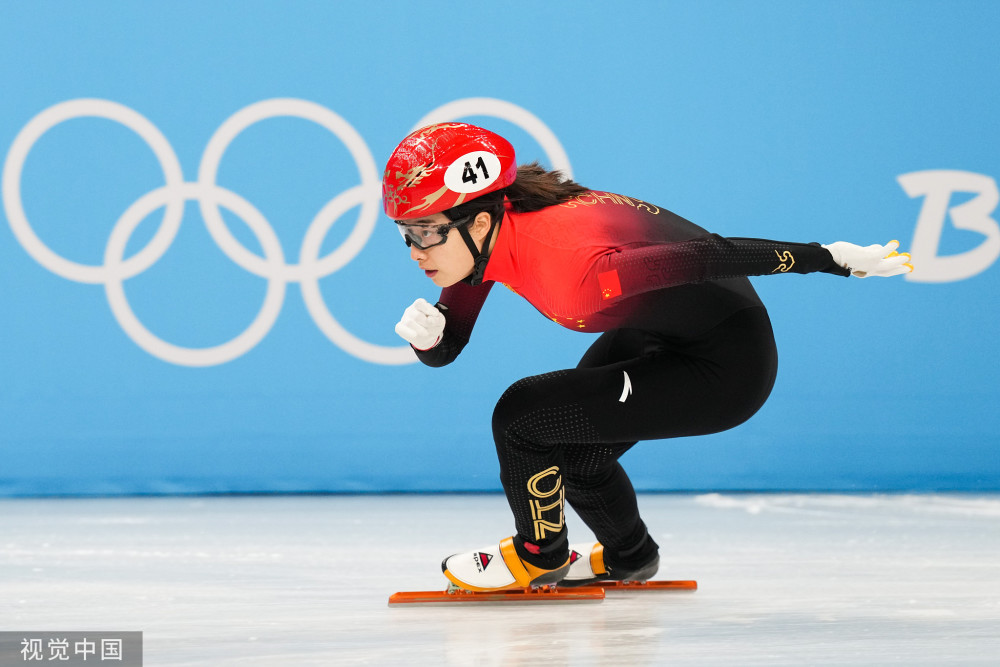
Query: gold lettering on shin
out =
(535, 479)
(544, 525)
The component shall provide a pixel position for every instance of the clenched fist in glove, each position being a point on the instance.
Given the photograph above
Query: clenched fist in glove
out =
(421, 325)
(873, 260)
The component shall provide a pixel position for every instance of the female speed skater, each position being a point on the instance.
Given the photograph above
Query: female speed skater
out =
(686, 346)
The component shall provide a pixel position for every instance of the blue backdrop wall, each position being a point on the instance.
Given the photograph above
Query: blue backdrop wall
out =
(198, 287)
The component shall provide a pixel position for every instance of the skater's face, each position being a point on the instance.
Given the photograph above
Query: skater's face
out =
(449, 262)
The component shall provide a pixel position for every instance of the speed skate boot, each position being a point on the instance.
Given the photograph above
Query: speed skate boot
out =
(500, 568)
(589, 565)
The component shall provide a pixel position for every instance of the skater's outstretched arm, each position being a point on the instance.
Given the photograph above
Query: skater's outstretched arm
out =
(646, 268)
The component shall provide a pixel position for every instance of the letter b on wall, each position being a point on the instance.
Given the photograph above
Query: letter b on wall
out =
(936, 187)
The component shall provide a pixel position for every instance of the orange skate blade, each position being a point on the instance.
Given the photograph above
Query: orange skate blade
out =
(545, 594)
(686, 585)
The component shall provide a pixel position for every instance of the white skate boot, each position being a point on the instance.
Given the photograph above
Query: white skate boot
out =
(497, 568)
(587, 567)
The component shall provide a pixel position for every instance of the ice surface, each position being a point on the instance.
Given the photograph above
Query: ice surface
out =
(292, 580)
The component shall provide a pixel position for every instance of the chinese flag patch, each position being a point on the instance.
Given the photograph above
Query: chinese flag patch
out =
(610, 285)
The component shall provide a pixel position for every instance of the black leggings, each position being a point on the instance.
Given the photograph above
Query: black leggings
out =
(559, 435)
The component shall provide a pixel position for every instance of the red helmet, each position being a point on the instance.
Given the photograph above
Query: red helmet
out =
(441, 166)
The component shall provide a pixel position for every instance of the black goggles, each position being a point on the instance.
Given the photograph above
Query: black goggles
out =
(428, 236)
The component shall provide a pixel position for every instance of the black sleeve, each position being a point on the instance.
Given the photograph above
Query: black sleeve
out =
(460, 304)
(645, 268)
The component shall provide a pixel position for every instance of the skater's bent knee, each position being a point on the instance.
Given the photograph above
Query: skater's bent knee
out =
(520, 399)
(537, 412)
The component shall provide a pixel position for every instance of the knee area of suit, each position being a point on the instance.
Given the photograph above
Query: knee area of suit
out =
(520, 399)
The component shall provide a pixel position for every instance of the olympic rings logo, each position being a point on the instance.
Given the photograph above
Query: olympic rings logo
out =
(210, 196)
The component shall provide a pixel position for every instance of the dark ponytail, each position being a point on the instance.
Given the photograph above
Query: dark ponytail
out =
(534, 189)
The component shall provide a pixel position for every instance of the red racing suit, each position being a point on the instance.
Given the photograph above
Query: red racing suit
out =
(603, 261)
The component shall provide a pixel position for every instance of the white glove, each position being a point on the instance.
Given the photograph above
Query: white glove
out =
(873, 260)
(421, 325)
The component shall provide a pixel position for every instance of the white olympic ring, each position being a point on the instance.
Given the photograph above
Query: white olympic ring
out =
(116, 268)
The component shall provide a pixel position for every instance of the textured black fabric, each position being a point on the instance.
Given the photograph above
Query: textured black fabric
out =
(713, 257)
(575, 420)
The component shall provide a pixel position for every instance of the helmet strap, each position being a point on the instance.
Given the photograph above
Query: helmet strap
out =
(479, 255)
